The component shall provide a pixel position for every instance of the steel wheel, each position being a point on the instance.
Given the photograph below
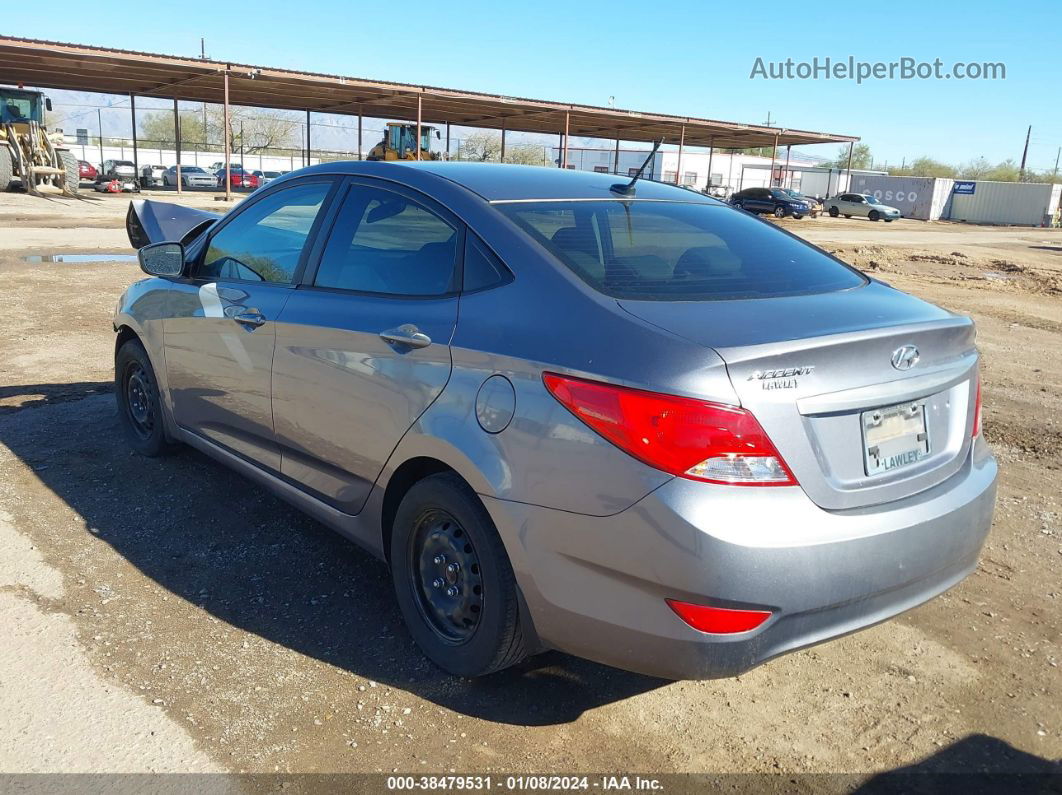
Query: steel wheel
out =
(446, 576)
(138, 401)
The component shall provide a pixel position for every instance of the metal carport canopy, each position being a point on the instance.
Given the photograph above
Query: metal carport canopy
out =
(76, 67)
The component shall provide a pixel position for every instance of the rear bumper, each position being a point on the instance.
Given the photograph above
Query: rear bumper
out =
(595, 586)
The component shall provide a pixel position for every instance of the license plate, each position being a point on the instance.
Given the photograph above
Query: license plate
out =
(894, 437)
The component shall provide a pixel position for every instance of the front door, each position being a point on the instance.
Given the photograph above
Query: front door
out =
(363, 347)
(221, 329)
(761, 200)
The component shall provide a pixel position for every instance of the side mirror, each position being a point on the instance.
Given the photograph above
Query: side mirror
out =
(48, 104)
(162, 259)
(438, 135)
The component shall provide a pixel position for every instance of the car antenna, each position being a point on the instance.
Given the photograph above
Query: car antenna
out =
(626, 189)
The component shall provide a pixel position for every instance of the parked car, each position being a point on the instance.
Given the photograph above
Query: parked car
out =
(117, 176)
(660, 433)
(863, 205)
(152, 176)
(219, 165)
(117, 169)
(814, 204)
(238, 177)
(191, 177)
(86, 172)
(265, 177)
(770, 200)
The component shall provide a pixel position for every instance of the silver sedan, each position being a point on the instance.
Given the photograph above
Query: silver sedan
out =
(621, 420)
(191, 177)
(863, 205)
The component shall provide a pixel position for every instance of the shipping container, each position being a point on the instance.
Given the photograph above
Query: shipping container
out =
(1019, 203)
(923, 198)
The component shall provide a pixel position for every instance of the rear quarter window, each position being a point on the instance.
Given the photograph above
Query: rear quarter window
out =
(677, 251)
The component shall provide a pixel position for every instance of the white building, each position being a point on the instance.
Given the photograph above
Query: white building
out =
(729, 172)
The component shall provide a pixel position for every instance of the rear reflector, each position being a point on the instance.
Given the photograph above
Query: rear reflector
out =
(977, 410)
(718, 620)
(682, 436)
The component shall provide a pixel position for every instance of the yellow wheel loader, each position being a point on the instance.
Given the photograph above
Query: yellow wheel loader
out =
(29, 154)
(400, 143)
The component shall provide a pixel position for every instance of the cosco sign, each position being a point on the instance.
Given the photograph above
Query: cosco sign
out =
(896, 195)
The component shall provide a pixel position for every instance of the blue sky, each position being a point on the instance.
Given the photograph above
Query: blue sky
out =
(690, 58)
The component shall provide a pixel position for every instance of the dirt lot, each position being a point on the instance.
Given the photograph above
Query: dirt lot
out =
(168, 615)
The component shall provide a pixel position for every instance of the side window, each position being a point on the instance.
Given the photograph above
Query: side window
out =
(264, 242)
(385, 243)
(482, 268)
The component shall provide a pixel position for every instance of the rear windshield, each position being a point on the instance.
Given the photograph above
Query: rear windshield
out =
(674, 251)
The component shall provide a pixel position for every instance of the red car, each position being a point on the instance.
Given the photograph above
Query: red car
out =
(239, 177)
(86, 171)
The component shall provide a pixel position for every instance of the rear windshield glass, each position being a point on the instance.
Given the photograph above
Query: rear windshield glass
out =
(674, 251)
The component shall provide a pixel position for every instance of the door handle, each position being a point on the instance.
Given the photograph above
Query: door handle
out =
(408, 335)
(251, 319)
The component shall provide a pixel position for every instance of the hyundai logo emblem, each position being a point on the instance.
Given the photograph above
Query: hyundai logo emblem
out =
(905, 357)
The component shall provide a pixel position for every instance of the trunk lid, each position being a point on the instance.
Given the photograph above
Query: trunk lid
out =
(808, 367)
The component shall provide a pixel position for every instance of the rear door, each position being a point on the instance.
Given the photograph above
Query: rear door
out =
(220, 332)
(363, 344)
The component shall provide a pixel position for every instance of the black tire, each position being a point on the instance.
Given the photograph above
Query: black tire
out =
(465, 619)
(889, 220)
(797, 216)
(779, 212)
(847, 216)
(139, 405)
(7, 168)
(73, 173)
(834, 212)
(874, 215)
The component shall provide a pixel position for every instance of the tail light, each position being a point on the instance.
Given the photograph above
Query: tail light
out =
(682, 436)
(718, 620)
(977, 409)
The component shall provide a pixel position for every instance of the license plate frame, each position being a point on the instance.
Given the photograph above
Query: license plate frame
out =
(894, 437)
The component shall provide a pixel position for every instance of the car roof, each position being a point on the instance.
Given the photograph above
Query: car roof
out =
(497, 182)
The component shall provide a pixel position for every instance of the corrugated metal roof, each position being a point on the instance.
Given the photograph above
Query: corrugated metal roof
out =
(60, 65)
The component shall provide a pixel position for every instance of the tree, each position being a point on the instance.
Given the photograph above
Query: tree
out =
(485, 147)
(480, 147)
(761, 151)
(1007, 171)
(251, 130)
(975, 169)
(925, 167)
(157, 128)
(861, 158)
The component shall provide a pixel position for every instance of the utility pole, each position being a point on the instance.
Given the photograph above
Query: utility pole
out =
(1025, 154)
(1057, 155)
(99, 118)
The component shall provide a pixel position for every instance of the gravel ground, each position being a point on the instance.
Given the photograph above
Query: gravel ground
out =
(168, 615)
